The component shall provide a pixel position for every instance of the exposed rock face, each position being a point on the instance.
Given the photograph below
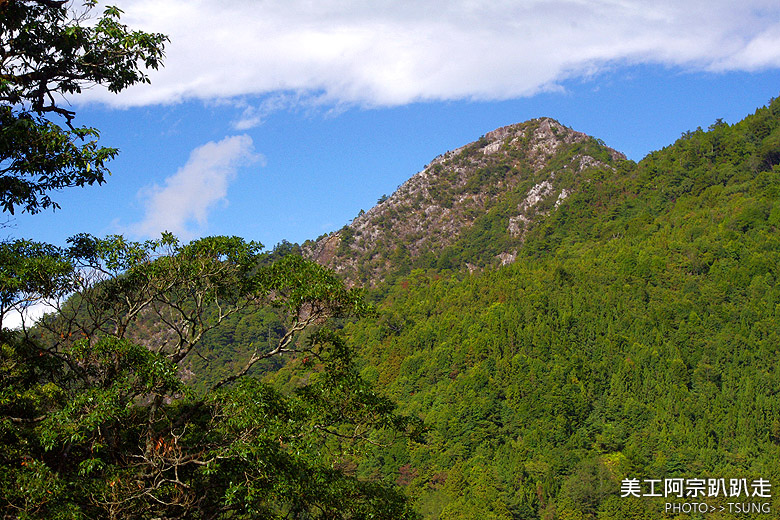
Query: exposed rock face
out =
(528, 169)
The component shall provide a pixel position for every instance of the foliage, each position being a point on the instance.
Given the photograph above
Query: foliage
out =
(29, 273)
(50, 49)
(98, 420)
(96, 417)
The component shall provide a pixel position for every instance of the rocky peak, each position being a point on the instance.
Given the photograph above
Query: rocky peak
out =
(512, 176)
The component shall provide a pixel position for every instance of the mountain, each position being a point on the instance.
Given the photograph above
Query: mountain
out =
(567, 322)
(631, 336)
(469, 207)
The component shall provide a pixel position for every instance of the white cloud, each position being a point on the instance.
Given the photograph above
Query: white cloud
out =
(382, 53)
(254, 115)
(27, 316)
(190, 194)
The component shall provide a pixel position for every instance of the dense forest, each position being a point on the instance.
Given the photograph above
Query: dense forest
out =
(635, 336)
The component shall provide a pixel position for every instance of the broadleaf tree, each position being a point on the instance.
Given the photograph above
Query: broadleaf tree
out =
(100, 421)
(50, 49)
(97, 419)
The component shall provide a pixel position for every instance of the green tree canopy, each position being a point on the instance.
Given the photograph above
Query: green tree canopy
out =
(50, 49)
(98, 420)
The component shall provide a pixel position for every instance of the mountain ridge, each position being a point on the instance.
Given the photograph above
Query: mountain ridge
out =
(530, 168)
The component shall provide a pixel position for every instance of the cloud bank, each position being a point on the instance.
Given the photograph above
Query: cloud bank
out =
(183, 204)
(386, 53)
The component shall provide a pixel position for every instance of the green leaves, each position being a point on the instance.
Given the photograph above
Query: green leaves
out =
(278, 452)
(95, 417)
(48, 52)
(37, 156)
(109, 422)
(295, 283)
(30, 272)
(111, 374)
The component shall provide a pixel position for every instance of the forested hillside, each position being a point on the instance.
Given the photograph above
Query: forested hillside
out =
(635, 336)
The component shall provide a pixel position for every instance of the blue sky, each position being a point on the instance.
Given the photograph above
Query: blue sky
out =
(281, 120)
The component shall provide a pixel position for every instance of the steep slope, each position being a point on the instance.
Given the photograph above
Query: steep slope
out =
(634, 337)
(481, 199)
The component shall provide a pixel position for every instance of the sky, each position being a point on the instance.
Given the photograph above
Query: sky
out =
(281, 120)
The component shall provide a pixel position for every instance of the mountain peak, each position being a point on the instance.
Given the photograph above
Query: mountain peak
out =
(506, 180)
